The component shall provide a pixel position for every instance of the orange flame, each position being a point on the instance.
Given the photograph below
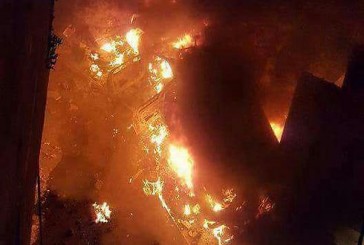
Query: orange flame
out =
(184, 42)
(181, 162)
(133, 39)
(277, 129)
(215, 206)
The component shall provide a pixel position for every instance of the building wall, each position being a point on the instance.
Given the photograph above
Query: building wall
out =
(24, 28)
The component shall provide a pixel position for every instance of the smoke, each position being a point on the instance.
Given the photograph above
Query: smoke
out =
(290, 38)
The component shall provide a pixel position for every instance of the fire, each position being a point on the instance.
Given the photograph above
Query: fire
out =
(219, 233)
(187, 210)
(215, 206)
(119, 60)
(166, 70)
(173, 162)
(153, 188)
(107, 47)
(159, 87)
(94, 56)
(156, 188)
(181, 162)
(112, 47)
(208, 223)
(102, 212)
(96, 70)
(277, 129)
(133, 39)
(229, 196)
(158, 137)
(196, 209)
(160, 72)
(184, 42)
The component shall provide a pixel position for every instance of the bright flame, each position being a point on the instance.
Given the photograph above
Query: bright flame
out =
(219, 232)
(159, 87)
(133, 39)
(207, 223)
(277, 129)
(181, 162)
(158, 137)
(94, 56)
(119, 59)
(96, 69)
(184, 42)
(112, 46)
(107, 47)
(102, 212)
(187, 210)
(166, 70)
(215, 206)
(160, 72)
(196, 209)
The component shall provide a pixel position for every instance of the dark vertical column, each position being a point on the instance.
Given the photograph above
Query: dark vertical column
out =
(24, 27)
(312, 154)
(353, 132)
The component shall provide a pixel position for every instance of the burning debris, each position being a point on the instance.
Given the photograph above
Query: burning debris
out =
(168, 167)
(265, 206)
(126, 65)
(102, 212)
(182, 164)
(184, 42)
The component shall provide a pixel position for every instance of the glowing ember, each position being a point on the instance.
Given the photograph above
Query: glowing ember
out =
(208, 223)
(156, 188)
(184, 42)
(187, 210)
(102, 212)
(160, 72)
(277, 129)
(159, 135)
(181, 162)
(219, 234)
(166, 70)
(119, 59)
(229, 196)
(159, 87)
(107, 47)
(96, 70)
(266, 205)
(112, 46)
(215, 206)
(153, 188)
(196, 209)
(94, 56)
(133, 39)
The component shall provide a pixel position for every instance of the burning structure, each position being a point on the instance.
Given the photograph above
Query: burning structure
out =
(157, 130)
